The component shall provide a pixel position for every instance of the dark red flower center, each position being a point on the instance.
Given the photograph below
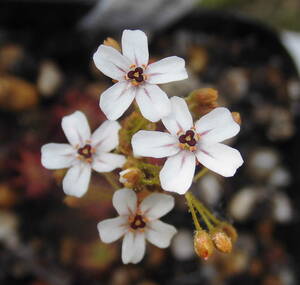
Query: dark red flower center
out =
(85, 151)
(188, 138)
(136, 74)
(138, 222)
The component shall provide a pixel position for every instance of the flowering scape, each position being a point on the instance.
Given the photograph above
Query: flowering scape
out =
(138, 144)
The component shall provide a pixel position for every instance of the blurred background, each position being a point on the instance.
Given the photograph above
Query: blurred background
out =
(248, 50)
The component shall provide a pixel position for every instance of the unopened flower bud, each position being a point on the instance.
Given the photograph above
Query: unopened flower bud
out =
(203, 244)
(229, 230)
(130, 177)
(112, 43)
(203, 100)
(221, 240)
(237, 117)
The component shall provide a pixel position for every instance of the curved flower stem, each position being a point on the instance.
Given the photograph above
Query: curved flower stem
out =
(110, 179)
(204, 217)
(201, 173)
(189, 198)
(150, 182)
(201, 208)
(211, 216)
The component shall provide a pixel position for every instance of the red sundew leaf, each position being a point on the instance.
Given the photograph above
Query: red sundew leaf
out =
(35, 179)
(76, 100)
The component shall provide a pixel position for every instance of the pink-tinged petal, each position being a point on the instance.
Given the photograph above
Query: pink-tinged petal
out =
(160, 233)
(115, 100)
(133, 247)
(106, 137)
(76, 128)
(166, 70)
(154, 144)
(154, 103)
(125, 201)
(178, 172)
(106, 162)
(57, 155)
(77, 179)
(216, 126)
(156, 205)
(219, 158)
(139, 247)
(180, 118)
(135, 47)
(112, 63)
(111, 230)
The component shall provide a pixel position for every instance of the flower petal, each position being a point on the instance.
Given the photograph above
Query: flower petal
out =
(112, 63)
(77, 179)
(133, 247)
(180, 118)
(217, 125)
(57, 155)
(76, 128)
(156, 205)
(115, 100)
(160, 233)
(106, 137)
(154, 103)
(154, 144)
(111, 230)
(135, 47)
(106, 162)
(178, 172)
(125, 201)
(127, 247)
(139, 247)
(219, 158)
(166, 70)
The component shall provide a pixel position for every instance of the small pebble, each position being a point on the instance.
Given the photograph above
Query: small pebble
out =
(182, 245)
(49, 79)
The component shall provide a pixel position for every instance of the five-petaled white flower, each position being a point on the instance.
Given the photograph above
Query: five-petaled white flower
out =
(138, 221)
(136, 78)
(84, 153)
(188, 143)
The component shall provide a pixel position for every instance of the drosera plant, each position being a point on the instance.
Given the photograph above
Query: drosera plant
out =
(187, 131)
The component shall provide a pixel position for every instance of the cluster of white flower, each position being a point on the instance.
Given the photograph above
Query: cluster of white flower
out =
(185, 143)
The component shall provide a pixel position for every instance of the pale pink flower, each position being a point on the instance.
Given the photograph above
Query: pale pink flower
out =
(85, 152)
(137, 222)
(188, 143)
(136, 78)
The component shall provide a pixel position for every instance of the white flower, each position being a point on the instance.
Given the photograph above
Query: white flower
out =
(189, 143)
(138, 222)
(84, 153)
(136, 78)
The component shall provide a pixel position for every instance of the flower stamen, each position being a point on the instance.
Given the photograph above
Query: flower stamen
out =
(86, 153)
(138, 222)
(188, 140)
(136, 75)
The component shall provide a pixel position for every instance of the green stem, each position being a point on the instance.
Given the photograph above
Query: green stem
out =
(199, 205)
(150, 182)
(211, 216)
(201, 173)
(188, 198)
